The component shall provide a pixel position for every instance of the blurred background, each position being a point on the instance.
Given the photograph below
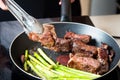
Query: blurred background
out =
(100, 7)
(88, 7)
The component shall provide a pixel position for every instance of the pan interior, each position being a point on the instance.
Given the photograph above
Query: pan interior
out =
(21, 42)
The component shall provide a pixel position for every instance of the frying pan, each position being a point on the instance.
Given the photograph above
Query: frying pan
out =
(22, 42)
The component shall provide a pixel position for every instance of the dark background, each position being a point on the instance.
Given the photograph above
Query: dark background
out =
(41, 9)
(118, 7)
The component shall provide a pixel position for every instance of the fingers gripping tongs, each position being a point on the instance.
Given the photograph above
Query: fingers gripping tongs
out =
(29, 23)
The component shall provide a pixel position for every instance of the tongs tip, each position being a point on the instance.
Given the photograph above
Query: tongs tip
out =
(29, 23)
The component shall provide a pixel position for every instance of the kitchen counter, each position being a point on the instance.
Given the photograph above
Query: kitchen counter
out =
(108, 23)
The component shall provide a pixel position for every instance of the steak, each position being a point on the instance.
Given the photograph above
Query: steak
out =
(84, 63)
(47, 38)
(83, 57)
(105, 55)
(62, 45)
(81, 54)
(79, 46)
(109, 51)
(83, 37)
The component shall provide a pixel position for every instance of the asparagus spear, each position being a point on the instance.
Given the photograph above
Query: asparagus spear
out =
(40, 74)
(48, 74)
(45, 56)
(42, 65)
(79, 73)
(25, 59)
(41, 59)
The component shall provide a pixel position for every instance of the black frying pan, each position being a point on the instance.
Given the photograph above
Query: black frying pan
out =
(22, 42)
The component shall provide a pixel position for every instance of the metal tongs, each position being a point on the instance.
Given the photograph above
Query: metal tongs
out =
(29, 23)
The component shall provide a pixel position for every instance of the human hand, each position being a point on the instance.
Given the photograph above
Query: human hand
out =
(2, 5)
(70, 1)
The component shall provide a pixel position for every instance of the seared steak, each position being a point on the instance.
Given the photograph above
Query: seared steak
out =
(81, 54)
(47, 38)
(84, 63)
(83, 37)
(62, 45)
(79, 46)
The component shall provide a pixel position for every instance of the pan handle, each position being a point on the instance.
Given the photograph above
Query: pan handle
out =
(66, 11)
